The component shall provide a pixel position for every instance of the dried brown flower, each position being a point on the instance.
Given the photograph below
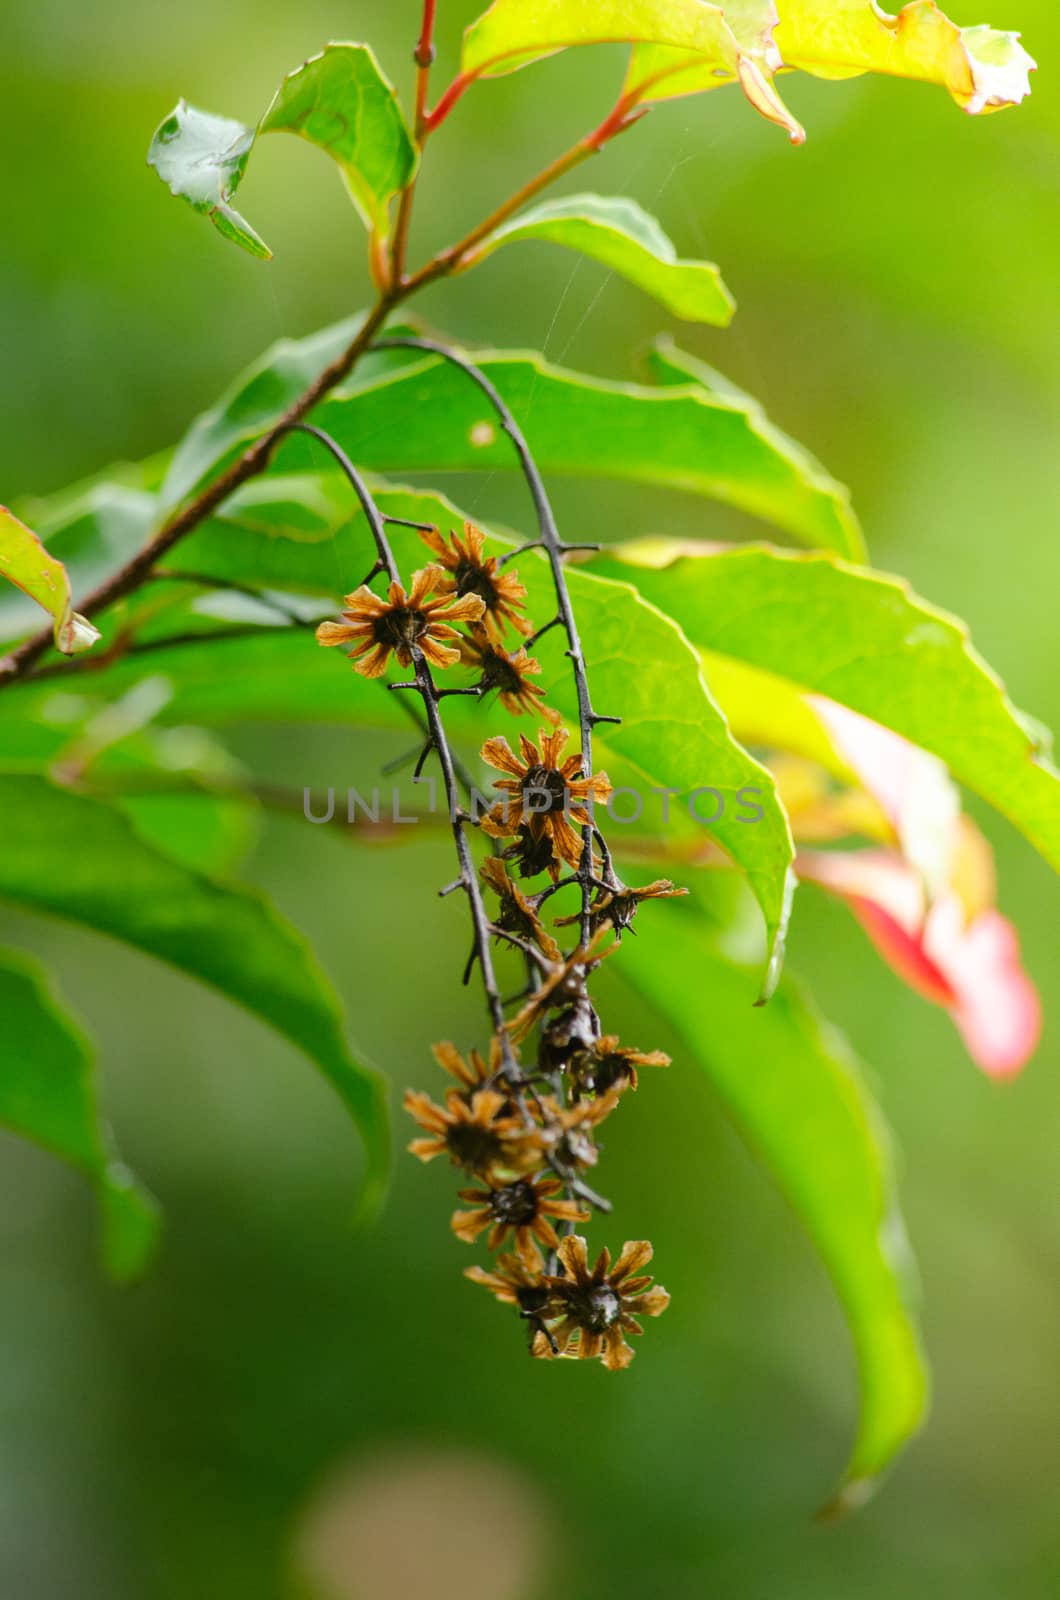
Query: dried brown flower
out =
(469, 573)
(564, 1133)
(563, 985)
(617, 907)
(524, 1208)
(516, 914)
(473, 1073)
(506, 673)
(478, 1131)
(532, 856)
(607, 1065)
(514, 1281)
(596, 1309)
(575, 1027)
(543, 793)
(401, 623)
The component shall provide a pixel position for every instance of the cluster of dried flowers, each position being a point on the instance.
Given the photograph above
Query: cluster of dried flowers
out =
(524, 1131)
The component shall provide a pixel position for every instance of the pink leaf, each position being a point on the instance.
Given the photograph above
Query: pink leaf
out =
(970, 966)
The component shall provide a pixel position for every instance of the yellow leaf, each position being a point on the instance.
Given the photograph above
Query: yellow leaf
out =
(25, 561)
(982, 68)
(511, 34)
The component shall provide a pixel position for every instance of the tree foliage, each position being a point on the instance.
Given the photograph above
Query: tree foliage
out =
(731, 668)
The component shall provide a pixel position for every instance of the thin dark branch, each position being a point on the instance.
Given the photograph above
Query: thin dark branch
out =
(254, 460)
(530, 951)
(437, 740)
(390, 767)
(394, 287)
(219, 585)
(511, 555)
(73, 666)
(554, 549)
(419, 721)
(479, 918)
(404, 522)
(374, 516)
(546, 627)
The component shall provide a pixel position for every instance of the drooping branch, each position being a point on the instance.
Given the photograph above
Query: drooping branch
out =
(438, 741)
(484, 930)
(555, 550)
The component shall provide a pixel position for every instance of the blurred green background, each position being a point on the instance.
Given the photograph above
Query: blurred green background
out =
(284, 1409)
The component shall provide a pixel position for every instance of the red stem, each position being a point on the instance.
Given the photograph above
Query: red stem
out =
(255, 458)
(393, 271)
(456, 91)
(424, 61)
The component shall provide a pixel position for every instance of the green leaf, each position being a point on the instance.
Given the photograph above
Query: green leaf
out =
(621, 235)
(27, 564)
(867, 641)
(670, 366)
(282, 677)
(48, 1094)
(672, 735)
(88, 534)
(341, 102)
(338, 100)
(769, 713)
(658, 72)
(260, 396)
(293, 533)
(674, 438)
(208, 833)
(182, 790)
(82, 860)
(795, 1091)
(511, 33)
(714, 444)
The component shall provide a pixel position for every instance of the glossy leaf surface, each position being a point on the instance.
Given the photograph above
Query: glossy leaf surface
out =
(867, 641)
(621, 235)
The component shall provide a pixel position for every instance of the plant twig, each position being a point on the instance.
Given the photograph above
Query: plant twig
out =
(423, 55)
(458, 256)
(483, 927)
(555, 550)
(438, 741)
(255, 459)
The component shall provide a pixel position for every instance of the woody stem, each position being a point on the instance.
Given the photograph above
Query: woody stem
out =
(554, 550)
(256, 458)
(438, 741)
(423, 55)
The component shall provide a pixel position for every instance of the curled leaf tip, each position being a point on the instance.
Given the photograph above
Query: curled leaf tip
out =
(338, 100)
(852, 1496)
(75, 633)
(25, 562)
(1000, 69)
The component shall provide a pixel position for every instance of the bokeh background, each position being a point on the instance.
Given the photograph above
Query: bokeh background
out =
(284, 1409)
